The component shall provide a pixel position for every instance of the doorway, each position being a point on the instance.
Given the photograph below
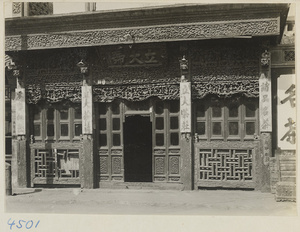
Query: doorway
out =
(138, 149)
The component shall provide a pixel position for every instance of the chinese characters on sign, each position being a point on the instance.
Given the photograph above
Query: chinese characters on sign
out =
(185, 107)
(20, 111)
(133, 58)
(265, 103)
(87, 115)
(286, 108)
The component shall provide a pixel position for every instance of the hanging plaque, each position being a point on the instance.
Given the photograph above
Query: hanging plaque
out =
(20, 111)
(286, 108)
(265, 104)
(87, 107)
(185, 107)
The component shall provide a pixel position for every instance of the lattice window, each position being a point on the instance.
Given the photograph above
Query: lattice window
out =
(56, 124)
(110, 125)
(289, 55)
(45, 165)
(56, 163)
(166, 123)
(40, 8)
(225, 164)
(232, 119)
(173, 118)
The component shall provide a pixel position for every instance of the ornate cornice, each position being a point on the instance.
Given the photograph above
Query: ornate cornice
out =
(145, 34)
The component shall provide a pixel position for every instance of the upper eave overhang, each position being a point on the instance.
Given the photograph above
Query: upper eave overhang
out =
(144, 25)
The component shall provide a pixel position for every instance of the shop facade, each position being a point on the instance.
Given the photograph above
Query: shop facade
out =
(168, 97)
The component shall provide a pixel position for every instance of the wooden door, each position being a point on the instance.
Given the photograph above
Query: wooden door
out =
(225, 142)
(166, 141)
(110, 141)
(55, 144)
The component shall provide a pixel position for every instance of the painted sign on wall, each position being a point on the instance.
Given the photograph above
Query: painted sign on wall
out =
(286, 108)
(265, 104)
(20, 111)
(185, 107)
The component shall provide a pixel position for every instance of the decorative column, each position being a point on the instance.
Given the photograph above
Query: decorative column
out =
(265, 117)
(87, 173)
(186, 126)
(20, 159)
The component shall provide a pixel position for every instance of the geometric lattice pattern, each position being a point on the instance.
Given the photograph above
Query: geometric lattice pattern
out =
(289, 55)
(59, 163)
(225, 164)
(44, 163)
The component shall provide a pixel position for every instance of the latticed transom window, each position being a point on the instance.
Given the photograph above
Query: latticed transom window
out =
(230, 119)
(56, 123)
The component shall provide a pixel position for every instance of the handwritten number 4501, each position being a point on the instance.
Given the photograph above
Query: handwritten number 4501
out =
(27, 224)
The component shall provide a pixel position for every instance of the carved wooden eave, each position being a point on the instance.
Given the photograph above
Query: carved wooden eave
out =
(159, 24)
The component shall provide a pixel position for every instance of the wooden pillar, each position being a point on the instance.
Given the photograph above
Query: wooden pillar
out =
(186, 127)
(20, 160)
(262, 160)
(14, 163)
(87, 166)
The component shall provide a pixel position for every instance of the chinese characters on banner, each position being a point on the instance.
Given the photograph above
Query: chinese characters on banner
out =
(265, 104)
(286, 108)
(87, 114)
(185, 107)
(20, 111)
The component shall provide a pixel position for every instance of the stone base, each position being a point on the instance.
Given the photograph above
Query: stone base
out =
(141, 185)
(285, 191)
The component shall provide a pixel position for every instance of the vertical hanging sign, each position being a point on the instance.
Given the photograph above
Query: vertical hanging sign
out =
(20, 111)
(185, 107)
(265, 103)
(286, 108)
(87, 107)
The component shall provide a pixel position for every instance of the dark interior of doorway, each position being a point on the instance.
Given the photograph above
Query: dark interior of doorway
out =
(138, 149)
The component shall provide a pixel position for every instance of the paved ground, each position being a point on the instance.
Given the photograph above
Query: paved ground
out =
(158, 202)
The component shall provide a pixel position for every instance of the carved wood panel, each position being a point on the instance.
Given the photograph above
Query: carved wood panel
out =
(173, 165)
(103, 165)
(116, 165)
(159, 33)
(159, 165)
